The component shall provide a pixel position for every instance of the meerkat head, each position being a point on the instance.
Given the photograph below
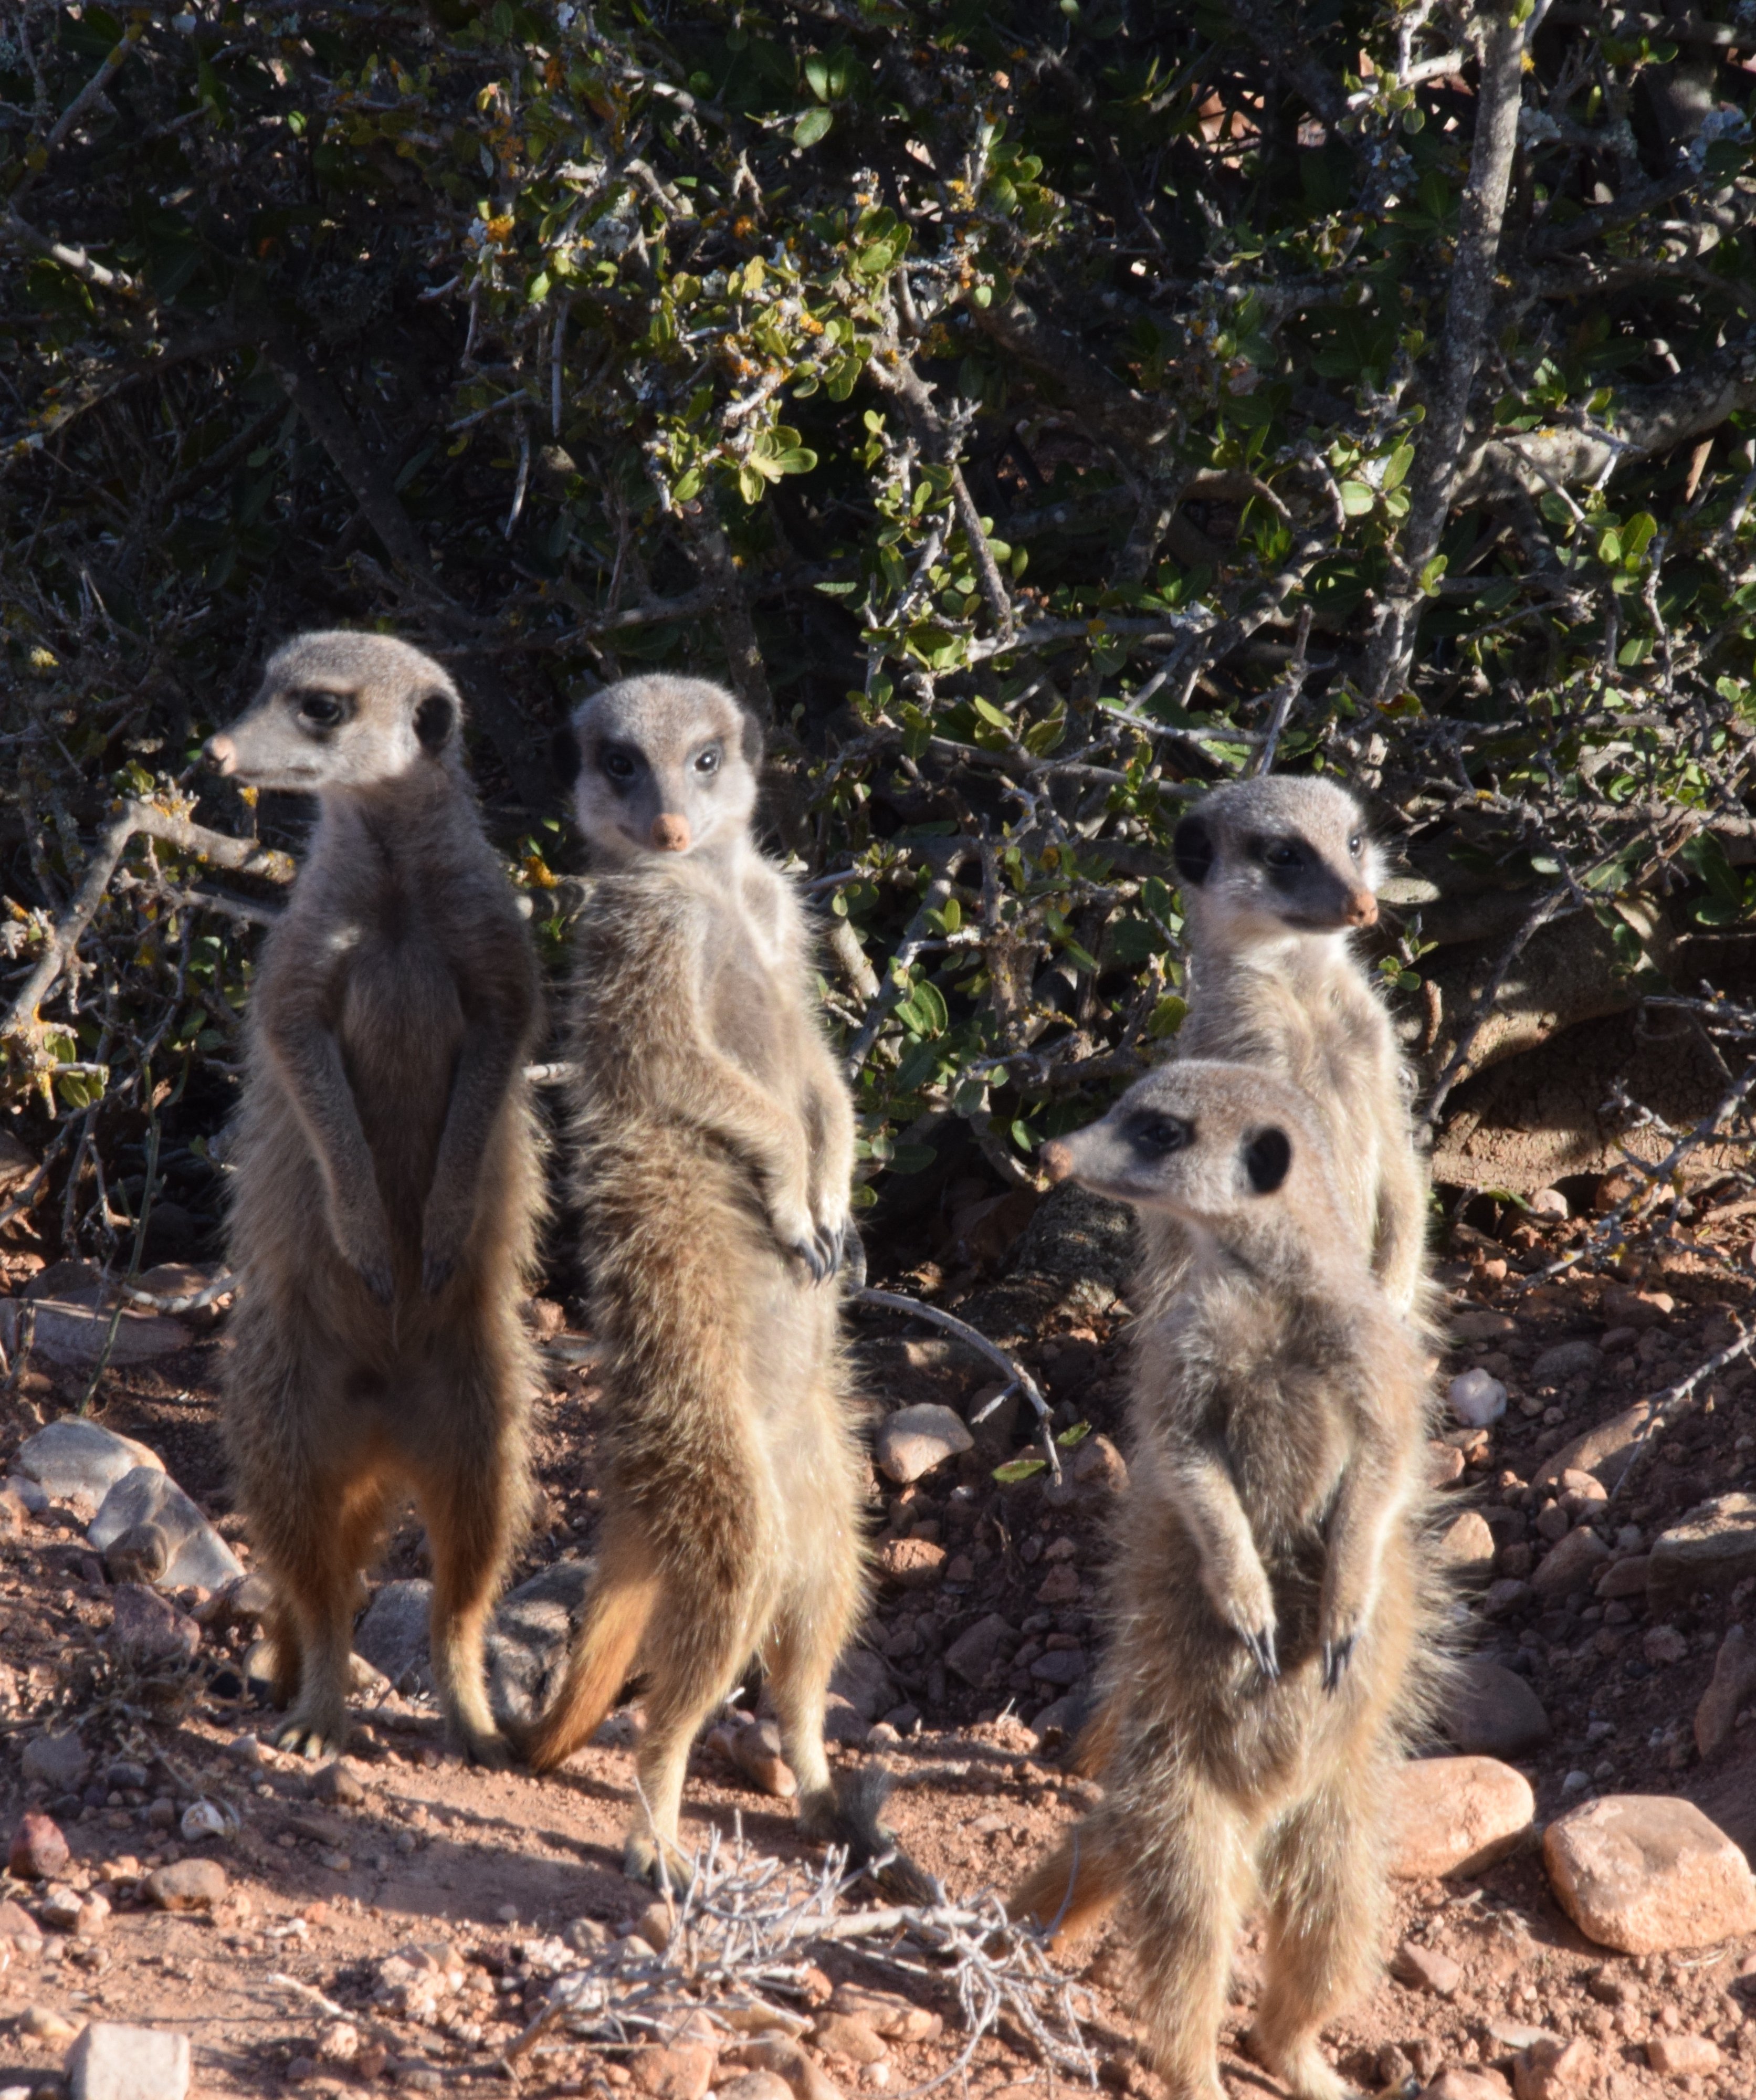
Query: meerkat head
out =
(1209, 1143)
(1261, 859)
(660, 764)
(340, 710)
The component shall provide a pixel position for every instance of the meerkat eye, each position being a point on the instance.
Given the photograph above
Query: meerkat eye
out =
(618, 764)
(322, 710)
(1162, 1133)
(1281, 855)
(708, 761)
(1354, 844)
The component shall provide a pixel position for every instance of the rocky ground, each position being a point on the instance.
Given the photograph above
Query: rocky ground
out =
(398, 1917)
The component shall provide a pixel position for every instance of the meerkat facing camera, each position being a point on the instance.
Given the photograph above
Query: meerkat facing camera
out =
(1277, 873)
(1271, 1617)
(713, 1148)
(383, 1213)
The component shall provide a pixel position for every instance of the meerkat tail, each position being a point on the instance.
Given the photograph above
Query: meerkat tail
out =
(1070, 1891)
(617, 1613)
(1094, 1743)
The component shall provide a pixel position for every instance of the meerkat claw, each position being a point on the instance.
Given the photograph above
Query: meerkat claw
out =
(1260, 1645)
(1337, 1654)
(436, 1272)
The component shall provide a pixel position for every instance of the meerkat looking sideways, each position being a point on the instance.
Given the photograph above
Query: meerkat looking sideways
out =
(388, 1181)
(1277, 875)
(1270, 1613)
(713, 1147)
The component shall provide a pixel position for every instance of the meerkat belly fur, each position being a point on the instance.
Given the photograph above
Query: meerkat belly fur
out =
(713, 1146)
(1277, 875)
(1273, 1614)
(388, 1185)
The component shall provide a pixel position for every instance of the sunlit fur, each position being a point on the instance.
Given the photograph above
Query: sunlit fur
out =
(1274, 982)
(388, 1182)
(713, 1147)
(1272, 1614)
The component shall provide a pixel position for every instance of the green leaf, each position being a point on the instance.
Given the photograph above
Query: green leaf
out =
(1356, 498)
(1076, 1434)
(1016, 1470)
(815, 124)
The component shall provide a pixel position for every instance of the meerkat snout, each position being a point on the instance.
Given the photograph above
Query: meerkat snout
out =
(670, 834)
(221, 753)
(1361, 909)
(1057, 1160)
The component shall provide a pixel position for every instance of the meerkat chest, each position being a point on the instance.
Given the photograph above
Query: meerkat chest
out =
(399, 1005)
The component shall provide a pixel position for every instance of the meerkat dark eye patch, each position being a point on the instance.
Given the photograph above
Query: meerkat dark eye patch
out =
(1285, 859)
(1192, 850)
(564, 755)
(618, 764)
(1268, 1154)
(318, 710)
(434, 719)
(1160, 1135)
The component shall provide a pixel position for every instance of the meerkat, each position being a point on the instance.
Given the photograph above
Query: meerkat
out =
(713, 1139)
(1271, 1617)
(1277, 875)
(388, 1188)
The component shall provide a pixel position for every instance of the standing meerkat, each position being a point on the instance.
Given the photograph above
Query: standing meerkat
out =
(713, 1148)
(1271, 1614)
(1277, 875)
(388, 1186)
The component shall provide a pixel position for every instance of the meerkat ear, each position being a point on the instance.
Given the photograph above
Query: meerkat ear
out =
(1267, 1156)
(750, 740)
(1192, 850)
(564, 750)
(435, 719)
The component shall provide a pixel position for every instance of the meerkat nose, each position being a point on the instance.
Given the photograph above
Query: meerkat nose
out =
(1362, 909)
(1057, 1159)
(670, 834)
(222, 753)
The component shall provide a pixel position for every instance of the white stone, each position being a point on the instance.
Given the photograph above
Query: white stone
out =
(110, 2062)
(1477, 1398)
(915, 1439)
(73, 1458)
(149, 1495)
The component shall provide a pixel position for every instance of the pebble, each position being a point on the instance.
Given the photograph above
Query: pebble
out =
(1061, 1586)
(910, 1564)
(1480, 1326)
(1714, 1548)
(1490, 1711)
(187, 1885)
(335, 1783)
(1550, 2069)
(977, 1647)
(59, 1908)
(1663, 1645)
(1620, 1307)
(848, 2036)
(57, 1758)
(804, 2079)
(129, 2063)
(860, 1691)
(887, 2013)
(682, 2071)
(913, 1440)
(43, 2023)
(1603, 1450)
(1682, 2055)
(1644, 1873)
(1575, 1564)
(72, 1457)
(1457, 1815)
(1550, 1204)
(531, 1632)
(38, 1851)
(1467, 1548)
(753, 1747)
(754, 2085)
(27, 1493)
(148, 1628)
(1466, 2081)
(1060, 1666)
(1426, 1969)
(1476, 1398)
(1624, 1578)
(1734, 1682)
(1566, 1359)
(393, 1636)
(147, 1496)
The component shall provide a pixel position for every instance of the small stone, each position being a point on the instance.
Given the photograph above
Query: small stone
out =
(1426, 1969)
(754, 2085)
(393, 1636)
(1664, 1645)
(1097, 1465)
(1061, 1586)
(1734, 1682)
(1682, 2055)
(1476, 1398)
(186, 1885)
(1466, 1549)
(682, 2071)
(887, 2013)
(654, 1925)
(1457, 1815)
(860, 1690)
(39, 1851)
(16, 1923)
(1445, 1464)
(1550, 1204)
(73, 1458)
(28, 1493)
(1573, 1564)
(149, 1629)
(977, 1647)
(915, 1439)
(59, 1908)
(1491, 1711)
(335, 1783)
(111, 2062)
(1566, 1359)
(1645, 1873)
(1620, 1307)
(1604, 1450)
(1626, 1577)
(1470, 2081)
(1061, 1665)
(1714, 1548)
(58, 1760)
(44, 2023)
(1552, 2068)
(753, 1747)
(910, 1564)
(847, 2036)
(147, 1495)
(804, 2079)
(1505, 1595)
(202, 1819)
(1474, 1326)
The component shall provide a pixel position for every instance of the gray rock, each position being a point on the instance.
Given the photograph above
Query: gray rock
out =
(976, 1648)
(915, 1439)
(1078, 1237)
(75, 1332)
(1061, 1665)
(393, 1636)
(1476, 1398)
(1574, 1563)
(76, 1457)
(1566, 1359)
(860, 1691)
(1714, 1548)
(149, 1496)
(532, 1635)
(111, 2062)
(1062, 1718)
(25, 1489)
(1489, 1711)
(59, 1762)
(149, 1629)
(1478, 1325)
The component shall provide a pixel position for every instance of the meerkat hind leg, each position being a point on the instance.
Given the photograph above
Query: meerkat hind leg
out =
(316, 1573)
(1188, 1891)
(1322, 1874)
(801, 1653)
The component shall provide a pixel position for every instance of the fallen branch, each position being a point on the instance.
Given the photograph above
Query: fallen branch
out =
(1019, 1379)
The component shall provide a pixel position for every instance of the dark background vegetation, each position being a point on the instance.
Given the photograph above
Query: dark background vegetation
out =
(1036, 412)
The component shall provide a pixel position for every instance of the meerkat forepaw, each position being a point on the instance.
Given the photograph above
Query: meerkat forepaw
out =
(1260, 1643)
(660, 1865)
(1337, 1654)
(437, 1270)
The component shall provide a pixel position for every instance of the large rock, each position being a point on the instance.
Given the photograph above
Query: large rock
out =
(74, 1332)
(1734, 1682)
(111, 2062)
(1457, 1815)
(1574, 1563)
(915, 1439)
(1645, 1873)
(75, 1457)
(861, 1689)
(531, 1637)
(394, 1635)
(1714, 1548)
(149, 1629)
(1490, 1711)
(186, 1885)
(148, 1496)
